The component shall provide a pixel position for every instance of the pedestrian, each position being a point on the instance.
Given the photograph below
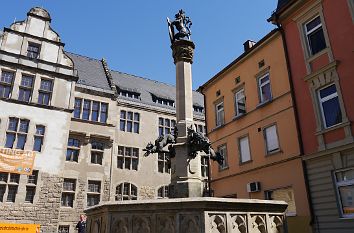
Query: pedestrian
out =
(81, 225)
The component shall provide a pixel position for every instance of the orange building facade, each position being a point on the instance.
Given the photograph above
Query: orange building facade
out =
(251, 120)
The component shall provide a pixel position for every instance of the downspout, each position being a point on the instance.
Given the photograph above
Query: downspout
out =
(297, 121)
(206, 134)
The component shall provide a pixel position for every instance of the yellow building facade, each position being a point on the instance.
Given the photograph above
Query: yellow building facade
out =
(250, 119)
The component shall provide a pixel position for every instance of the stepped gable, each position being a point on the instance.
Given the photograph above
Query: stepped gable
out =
(90, 71)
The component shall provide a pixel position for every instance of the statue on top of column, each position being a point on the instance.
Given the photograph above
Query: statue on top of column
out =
(183, 25)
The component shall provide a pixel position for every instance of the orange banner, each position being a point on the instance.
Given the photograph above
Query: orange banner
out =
(19, 228)
(16, 161)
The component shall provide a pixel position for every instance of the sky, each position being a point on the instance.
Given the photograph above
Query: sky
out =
(133, 35)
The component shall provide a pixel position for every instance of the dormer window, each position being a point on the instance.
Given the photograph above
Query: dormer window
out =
(33, 50)
(129, 94)
(163, 101)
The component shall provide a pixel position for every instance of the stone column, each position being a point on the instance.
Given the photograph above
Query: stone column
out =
(186, 179)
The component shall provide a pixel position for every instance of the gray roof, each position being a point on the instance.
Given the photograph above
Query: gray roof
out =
(282, 3)
(90, 71)
(146, 88)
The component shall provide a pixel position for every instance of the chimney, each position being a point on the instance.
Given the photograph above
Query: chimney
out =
(248, 45)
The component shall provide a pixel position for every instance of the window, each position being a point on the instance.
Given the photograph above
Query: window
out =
(16, 133)
(244, 148)
(200, 128)
(271, 139)
(265, 93)
(86, 110)
(240, 102)
(129, 94)
(166, 126)
(163, 163)
(223, 151)
(68, 193)
(128, 158)
(104, 113)
(64, 229)
(329, 104)
(77, 108)
(33, 50)
(219, 108)
(205, 166)
(315, 36)
(10, 182)
(129, 121)
(73, 151)
(163, 192)
(97, 149)
(25, 90)
(45, 92)
(126, 191)
(344, 180)
(31, 186)
(6, 83)
(163, 101)
(93, 192)
(95, 110)
(38, 138)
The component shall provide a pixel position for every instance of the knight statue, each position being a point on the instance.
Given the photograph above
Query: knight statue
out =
(183, 24)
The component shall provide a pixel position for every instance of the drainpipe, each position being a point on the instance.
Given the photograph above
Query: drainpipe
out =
(297, 121)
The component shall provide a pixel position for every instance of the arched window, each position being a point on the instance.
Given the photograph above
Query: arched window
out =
(126, 191)
(163, 192)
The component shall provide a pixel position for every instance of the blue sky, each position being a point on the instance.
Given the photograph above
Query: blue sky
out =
(132, 35)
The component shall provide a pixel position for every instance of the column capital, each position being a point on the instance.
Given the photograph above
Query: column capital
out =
(183, 50)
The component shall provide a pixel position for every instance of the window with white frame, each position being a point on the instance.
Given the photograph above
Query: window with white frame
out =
(31, 186)
(68, 193)
(6, 84)
(271, 139)
(265, 93)
(163, 163)
(223, 152)
(128, 158)
(97, 149)
(329, 105)
(16, 133)
(45, 92)
(93, 192)
(73, 150)
(166, 126)
(219, 108)
(240, 102)
(33, 50)
(344, 180)
(314, 35)
(25, 90)
(129, 121)
(205, 166)
(126, 191)
(244, 148)
(38, 138)
(163, 192)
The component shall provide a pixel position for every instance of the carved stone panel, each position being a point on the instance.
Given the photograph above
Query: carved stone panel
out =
(189, 224)
(142, 224)
(276, 224)
(258, 223)
(238, 223)
(121, 225)
(166, 224)
(218, 223)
